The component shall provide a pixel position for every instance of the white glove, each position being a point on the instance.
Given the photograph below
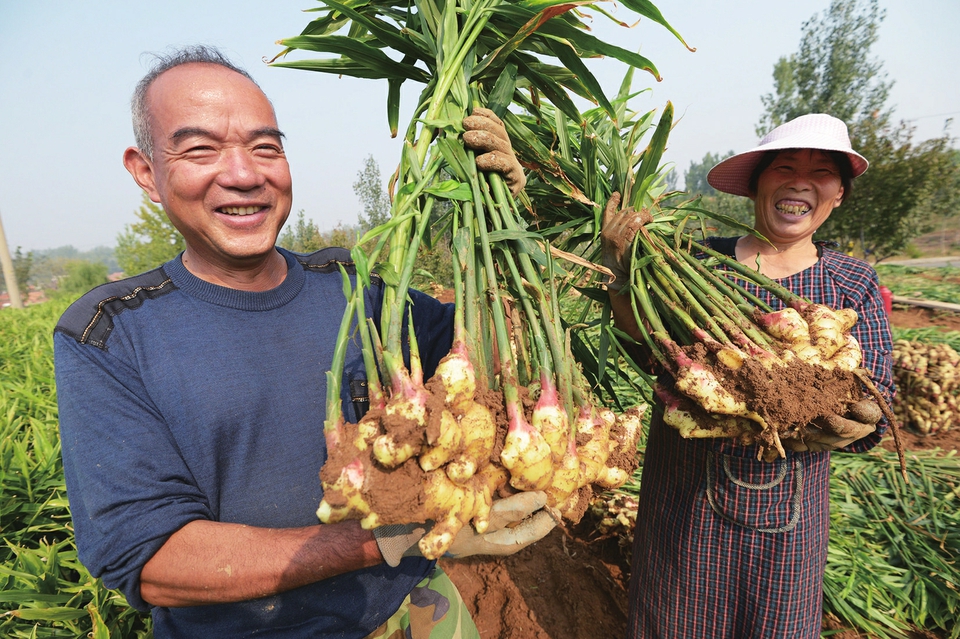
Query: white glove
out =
(400, 540)
(500, 538)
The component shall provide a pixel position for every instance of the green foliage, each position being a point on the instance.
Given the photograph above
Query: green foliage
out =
(724, 204)
(374, 199)
(935, 284)
(147, 244)
(83, 276)
(891, 562)
(21, 270)
(51, 267)
(908, 184)
(302, 236)
(343, 236)
(695, 178)
(46, 592)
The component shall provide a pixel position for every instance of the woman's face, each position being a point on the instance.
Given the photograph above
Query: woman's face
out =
(796, 194)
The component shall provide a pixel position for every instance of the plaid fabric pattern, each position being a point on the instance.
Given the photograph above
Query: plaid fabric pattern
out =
(730, 547)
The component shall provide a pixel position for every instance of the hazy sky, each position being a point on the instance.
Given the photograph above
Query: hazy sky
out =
(67, 70)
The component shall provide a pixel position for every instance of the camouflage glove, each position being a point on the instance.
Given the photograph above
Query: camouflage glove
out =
(616, 238)
(834, 432)
(487, 136)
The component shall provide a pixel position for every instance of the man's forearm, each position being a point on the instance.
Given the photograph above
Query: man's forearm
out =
(208, 562)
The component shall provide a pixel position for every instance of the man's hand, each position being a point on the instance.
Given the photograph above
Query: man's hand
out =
(834, 432)
(500, 538)
(487, 136)
(616, 237)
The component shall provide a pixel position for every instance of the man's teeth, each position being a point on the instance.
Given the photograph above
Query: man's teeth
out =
(793, 209)
(240, 210)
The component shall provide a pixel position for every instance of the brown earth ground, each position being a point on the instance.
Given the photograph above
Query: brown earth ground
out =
(572, 586)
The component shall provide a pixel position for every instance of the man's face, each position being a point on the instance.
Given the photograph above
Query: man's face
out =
(218, 166)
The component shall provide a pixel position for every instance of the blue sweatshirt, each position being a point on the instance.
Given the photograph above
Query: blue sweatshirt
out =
(182, 400)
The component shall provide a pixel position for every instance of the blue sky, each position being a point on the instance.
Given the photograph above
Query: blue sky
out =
(67, 70)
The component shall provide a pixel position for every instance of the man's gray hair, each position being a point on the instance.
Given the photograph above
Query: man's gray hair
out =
(199, 53)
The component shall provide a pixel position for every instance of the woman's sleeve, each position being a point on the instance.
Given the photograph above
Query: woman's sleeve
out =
(872, 331)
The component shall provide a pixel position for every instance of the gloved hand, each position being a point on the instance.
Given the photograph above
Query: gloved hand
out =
(487, 136)
(500, 538)
(400, 540)
(834, 432)
(397, 541)
(616, 237)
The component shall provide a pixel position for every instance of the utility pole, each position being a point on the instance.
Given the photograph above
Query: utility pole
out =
(9, 276)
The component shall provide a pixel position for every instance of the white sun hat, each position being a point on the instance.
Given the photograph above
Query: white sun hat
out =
(813, 131)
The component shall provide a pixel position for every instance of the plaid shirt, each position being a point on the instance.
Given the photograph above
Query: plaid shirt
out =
(730, 547)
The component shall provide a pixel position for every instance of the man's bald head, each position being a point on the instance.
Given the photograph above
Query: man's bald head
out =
(139, 107)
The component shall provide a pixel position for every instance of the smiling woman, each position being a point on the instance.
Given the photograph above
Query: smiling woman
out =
(797, 176)
(718, 529)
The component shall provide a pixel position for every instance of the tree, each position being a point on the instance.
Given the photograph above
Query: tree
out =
(738, 208)
(897, 198)
(83, 276)
(21, 271)
(147, 244)
(302, 236)
(695, 178)
(343, 236)
(373, 197)
(832, 72)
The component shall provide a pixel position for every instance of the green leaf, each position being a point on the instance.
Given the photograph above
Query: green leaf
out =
(451, 190)
(647, 8)
(501, 95)
(361, 264)
(338, 66)
(31, 596)
(48, 614)
(651, 156)
(358, 52)
(385, 32)
(388, 274)
(566, 54)
(393, 105)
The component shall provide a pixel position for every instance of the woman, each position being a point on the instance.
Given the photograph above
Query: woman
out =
(726, 545)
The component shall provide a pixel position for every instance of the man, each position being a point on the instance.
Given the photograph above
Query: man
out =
(191, 398)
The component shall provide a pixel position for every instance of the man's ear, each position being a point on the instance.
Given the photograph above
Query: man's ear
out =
(142, 171)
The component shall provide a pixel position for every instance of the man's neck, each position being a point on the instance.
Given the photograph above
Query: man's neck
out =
(262, 275)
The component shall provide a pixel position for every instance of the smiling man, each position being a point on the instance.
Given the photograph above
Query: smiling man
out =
(192, 399)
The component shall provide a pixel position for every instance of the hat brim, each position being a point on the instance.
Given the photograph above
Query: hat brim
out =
(733, 174)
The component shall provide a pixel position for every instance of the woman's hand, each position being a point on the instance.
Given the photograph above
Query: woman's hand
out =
(616, 238)
(834, 432)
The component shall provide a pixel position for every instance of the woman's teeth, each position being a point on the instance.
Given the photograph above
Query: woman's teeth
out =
(793, 209)
(240, 210)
